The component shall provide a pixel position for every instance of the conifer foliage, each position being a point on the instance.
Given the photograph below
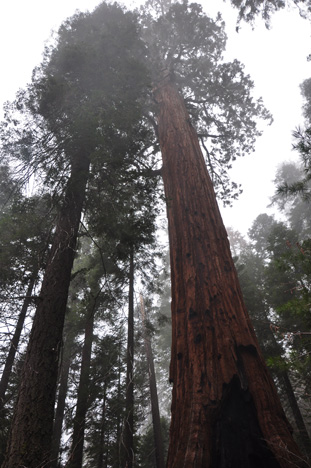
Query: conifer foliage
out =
(114, 91)
(75, 108)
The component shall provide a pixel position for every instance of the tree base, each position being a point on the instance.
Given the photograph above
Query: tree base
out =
(238, 441)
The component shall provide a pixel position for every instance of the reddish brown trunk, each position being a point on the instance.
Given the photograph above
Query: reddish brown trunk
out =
(225, 409)
(31, 433)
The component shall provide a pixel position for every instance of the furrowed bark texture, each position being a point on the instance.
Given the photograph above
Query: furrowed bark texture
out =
(225, 409)
(31, 433)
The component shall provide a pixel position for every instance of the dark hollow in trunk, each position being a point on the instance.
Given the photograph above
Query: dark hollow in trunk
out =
(237, 439)
(214, 346)
(31, 433)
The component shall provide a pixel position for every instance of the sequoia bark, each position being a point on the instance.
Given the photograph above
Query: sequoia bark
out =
(225, 409)
(31, 433)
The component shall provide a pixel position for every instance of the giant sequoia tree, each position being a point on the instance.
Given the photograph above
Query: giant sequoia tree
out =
(78, 105)
(82, 113)
(225, 409)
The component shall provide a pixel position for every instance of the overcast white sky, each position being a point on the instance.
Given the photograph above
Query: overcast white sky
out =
(275, 59)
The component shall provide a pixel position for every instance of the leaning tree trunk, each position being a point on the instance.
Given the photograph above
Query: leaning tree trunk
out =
(31, 433)
(156, 420)
(127, 446)
(225, 409)
(15, 342)
(76, 455)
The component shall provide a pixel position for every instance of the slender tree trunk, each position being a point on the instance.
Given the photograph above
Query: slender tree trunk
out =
(60, 409)
(270, 347)
(284, 380)
(107, 453)
(76, 456)
(128, 432)
(15, 342)
(225, 408)
(119, 444)
(303, 435)
(100, 463)
(31, 432)
(156, 421)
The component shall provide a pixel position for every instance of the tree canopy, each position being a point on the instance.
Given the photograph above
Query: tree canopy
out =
(87, 133)
(250, 9)
(218, 95)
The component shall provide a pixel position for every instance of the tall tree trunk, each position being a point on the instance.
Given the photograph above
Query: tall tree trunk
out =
(271, 348)
(61, 403)
(76, 456)
(101, 461)
(225, 408)
(284, 381)
(128, 432)
(15, 342)
(303, 436)
(119, 444)
(31, 433)
(156, 421)
(115, 460)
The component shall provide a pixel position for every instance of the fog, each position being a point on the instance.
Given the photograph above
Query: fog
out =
(276, 59)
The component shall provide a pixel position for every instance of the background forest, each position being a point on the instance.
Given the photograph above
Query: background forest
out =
(83, 231)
